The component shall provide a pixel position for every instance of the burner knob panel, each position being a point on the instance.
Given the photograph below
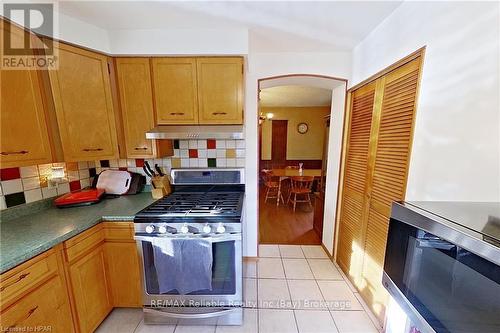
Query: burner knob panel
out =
(206, 229)
(162, 229)
(220, 228)
(150, 229)
(184, 229)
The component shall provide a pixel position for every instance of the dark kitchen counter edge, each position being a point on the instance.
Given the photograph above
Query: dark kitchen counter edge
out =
(29, 235)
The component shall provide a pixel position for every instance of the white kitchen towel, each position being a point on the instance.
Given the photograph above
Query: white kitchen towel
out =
(183, 264)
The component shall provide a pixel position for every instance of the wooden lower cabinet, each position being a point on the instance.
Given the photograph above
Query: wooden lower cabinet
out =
(75, 285)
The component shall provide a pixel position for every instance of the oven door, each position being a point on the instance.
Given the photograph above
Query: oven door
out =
(441, 286)
(226, 276)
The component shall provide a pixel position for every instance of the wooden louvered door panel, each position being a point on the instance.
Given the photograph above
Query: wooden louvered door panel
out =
(349, 255)
(392, 147)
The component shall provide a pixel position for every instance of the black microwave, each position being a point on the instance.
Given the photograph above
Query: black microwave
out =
(442, 265)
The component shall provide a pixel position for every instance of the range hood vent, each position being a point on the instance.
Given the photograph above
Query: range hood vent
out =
(196, 132)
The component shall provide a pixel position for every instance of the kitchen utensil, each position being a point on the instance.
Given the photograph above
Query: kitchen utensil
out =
(158, 170)
(146, 164)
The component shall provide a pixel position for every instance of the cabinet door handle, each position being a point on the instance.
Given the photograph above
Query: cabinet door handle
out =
(219, 113)
(20, 152)
(30, 312)
(141, 148)
(92, 149)
(22, 276)
(176, 113)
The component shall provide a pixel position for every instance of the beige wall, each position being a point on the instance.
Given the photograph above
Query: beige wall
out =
(308, 146)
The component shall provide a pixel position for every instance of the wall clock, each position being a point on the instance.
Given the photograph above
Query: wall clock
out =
(302, 128)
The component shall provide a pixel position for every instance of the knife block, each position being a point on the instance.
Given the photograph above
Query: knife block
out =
(161, 187)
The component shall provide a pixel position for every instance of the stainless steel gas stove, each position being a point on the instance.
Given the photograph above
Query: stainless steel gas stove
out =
(206, 206)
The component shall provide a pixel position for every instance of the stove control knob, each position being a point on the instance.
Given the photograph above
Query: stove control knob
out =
(150, 229)
(206, 229)
(162, 229)
(184, 229)
(220, 228)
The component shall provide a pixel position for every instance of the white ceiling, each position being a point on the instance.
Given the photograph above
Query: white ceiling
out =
(273, 26)
(295, 96)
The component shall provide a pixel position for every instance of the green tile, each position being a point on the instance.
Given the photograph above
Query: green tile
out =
(14, 199)
(176, 144)
(212, 163)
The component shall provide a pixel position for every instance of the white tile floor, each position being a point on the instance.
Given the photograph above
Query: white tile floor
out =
(289, 289)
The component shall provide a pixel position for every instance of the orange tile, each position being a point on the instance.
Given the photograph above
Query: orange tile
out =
(176, 162)
(72, 166)
(43, 181)
(230, 153)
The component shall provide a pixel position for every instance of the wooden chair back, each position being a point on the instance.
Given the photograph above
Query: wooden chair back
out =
(301, 183)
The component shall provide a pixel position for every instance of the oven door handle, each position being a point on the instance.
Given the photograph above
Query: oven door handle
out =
(213, 314)
(225, 238)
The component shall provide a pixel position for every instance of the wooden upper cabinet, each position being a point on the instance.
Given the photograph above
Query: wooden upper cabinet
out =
(220, 90)
(175, 90)
(136, 97)
(24, 134)
(82, 97)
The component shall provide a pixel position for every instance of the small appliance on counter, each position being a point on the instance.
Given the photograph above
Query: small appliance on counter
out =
(190, 249)
(442, 267)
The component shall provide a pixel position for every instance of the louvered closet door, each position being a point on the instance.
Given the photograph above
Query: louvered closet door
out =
(349, 255)
(393, 146)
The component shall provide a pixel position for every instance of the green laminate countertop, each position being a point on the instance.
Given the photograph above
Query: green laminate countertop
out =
(24, 237)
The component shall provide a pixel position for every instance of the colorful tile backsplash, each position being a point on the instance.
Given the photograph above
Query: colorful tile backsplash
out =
(28, 184)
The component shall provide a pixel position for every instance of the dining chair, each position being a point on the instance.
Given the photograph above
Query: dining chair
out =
(300, 186)
(273, 188)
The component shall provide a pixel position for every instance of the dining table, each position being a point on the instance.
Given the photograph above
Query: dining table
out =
(287, 173)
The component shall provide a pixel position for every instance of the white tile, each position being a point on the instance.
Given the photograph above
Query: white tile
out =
(45, 169)
(231, 144)
(12, 186)
(202, 144)
(297, 269)
(193, 144)
(250, 323)
(130, 163)
(306, 295)
(220, 144)
(231, 162)
(112, 163)
(184, 153)
(177, 153)
(193, 162)
(167, 162)
(240, 162)
(249, 293)
(315, 321)
(2, 202)
(49, 192)
(183, 144)
(250, 268)
(221, 162)
(202, 162)
(324, 269)
(269, 251)
(314, 251)
(85, 182)
(240, 152)
(211, 153)
(195, 329)
(121, 320)
(92, 164)
(84, 173)
(338, 295)
(270, 268)
(31, 183)
(73, 175)
(62, 188)
(353, 322)
(1, 191)
(33, 195)
(202, 153)
(29, 171)
(85, 165)
(368, 311)
(276, 321)
(273, 293)
(291, 251)
(144, 328)
(240, 143)
(221, 153)
(184, 162)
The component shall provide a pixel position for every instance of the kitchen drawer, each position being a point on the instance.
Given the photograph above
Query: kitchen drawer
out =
(84, 242)
(24, 277)
(122, 231)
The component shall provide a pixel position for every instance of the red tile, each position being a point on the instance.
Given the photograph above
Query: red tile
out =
(74, 185)
(122, 169)
(210, 144)
(9, 173)
(193, 153)
(139, 162)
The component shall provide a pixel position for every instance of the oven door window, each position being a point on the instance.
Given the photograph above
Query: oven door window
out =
(223, 270)
(452, 288)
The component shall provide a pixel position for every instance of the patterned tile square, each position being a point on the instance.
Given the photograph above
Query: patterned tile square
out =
(185, 163)
(104, 163)
(176, 144)
(73, 166)
(230, 143)
(202, 153)
(212, 163)
(176, 162)
(74, 185)
(211, 153)
(184, 144)
(33, 195)
(193, 153)
(221, 163)
(10, 173)
(139, 162)
(211, 144)
(83, 165)
(202, 144)
(12, 186)
(230, 153)
(231, 162)
(50, 192)
(29, 171)
(220, 144)
(31, 183)
(93, 173)
(193, 144)
(14, 199)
